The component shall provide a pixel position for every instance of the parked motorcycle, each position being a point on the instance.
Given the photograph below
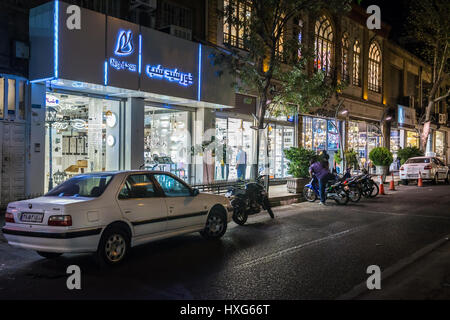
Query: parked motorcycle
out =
(335, 190)
(249, 200)
(353, 187)
(369, 187)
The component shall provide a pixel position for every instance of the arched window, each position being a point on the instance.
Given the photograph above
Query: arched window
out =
(323, 44)
(374, 67)
(345, 49)
(356, 64)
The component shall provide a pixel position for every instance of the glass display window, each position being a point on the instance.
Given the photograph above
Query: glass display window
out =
(333, 136)
(395, 141)
(440, 140)
(167, 141)
(412, 139)
(307, 133)
(76, 130)
(319, 134)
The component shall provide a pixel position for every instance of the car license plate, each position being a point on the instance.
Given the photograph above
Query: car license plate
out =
(32, 217)
(413, 175)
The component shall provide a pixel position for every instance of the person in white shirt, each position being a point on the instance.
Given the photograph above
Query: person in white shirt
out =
(241, 163)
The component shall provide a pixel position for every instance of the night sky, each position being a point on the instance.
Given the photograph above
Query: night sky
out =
(394, 13)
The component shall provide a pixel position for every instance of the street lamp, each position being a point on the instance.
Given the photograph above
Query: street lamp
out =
(337, 113)
(50, 119)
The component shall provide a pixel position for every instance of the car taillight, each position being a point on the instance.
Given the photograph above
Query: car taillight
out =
(9, 217)
(401, 168)
(427, 167)
(60, 221)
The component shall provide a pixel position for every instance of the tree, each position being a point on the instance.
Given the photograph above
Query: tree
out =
(272, 62)
(428, 26)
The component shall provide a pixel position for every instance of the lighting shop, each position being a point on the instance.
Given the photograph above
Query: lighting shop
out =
(107, 98)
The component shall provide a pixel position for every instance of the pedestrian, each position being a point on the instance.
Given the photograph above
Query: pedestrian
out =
(241, 163)
(322, 173)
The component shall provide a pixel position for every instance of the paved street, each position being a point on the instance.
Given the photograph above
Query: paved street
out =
(307, 252)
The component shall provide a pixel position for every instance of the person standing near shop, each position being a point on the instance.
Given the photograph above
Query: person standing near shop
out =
(226, 159)
(241, 163)
(321, 172)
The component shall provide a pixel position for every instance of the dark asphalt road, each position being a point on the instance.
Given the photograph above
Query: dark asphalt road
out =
(307, 252)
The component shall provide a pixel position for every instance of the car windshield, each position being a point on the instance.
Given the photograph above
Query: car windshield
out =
(418, 160)
(86, 185)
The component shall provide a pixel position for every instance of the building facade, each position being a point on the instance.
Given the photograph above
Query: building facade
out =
(135, 87)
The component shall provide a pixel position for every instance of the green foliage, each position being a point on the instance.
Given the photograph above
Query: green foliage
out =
(337, 157)
(408, 152)
(299, 159)
(381, 156)
(351, 157)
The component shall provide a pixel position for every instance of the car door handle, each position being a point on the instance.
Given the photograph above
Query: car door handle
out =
(127, 211)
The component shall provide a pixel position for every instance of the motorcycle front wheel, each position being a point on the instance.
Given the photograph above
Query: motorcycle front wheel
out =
(309, 194)
(268, 207)
(375, 189)
(341, 198)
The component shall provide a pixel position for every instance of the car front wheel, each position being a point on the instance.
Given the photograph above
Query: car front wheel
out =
(216, 225)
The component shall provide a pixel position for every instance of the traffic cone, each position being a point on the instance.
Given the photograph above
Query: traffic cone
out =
(420, 182)
(392, 184)
(381, 186)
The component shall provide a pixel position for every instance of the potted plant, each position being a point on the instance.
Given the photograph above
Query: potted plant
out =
(382, 158)
(298, 167)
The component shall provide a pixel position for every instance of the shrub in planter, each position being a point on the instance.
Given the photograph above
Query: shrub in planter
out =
(408, 152)
(381, 156)
(299, 159)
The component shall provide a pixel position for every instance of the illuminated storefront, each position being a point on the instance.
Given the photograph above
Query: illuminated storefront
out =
(113, 100)
(321, 134)
(440, 144)
(362, 138)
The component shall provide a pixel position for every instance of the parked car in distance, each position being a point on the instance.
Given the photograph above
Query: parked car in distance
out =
(107, 213)
(430, 168)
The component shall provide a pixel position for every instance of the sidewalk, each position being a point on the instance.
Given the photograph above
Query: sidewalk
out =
(279, 196)
(427, 278)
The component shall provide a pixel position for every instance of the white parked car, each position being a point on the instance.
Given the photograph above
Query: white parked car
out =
(430, 168)
(109, 212)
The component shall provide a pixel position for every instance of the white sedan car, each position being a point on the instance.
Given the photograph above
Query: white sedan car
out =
(430, 168)
(109, 212)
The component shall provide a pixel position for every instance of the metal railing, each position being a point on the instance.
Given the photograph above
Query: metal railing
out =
(223, 186)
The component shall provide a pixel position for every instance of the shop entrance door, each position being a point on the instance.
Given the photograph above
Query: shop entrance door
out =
(12, 154)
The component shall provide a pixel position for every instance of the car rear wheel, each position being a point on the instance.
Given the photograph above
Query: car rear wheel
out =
(114, 246)
(49, 255)
(216, 225)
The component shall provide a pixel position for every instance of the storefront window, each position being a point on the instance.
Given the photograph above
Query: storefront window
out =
(333, 136)
(307, 132)
(11, 96)
(412, 139)
(362, 138)
(395, 141)
(230, 134)
(2, 97)
(167, 141)
(319, 134)
(440, 138)
(22, 99)
(77, 132)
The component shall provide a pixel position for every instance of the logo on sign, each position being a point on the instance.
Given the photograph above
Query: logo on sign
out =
(124, 45)
(171, 75)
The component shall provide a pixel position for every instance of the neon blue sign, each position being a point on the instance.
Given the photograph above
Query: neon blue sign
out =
(171, 75)
(124, 45)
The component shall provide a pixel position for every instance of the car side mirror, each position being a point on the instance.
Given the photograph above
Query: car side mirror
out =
(195, 192)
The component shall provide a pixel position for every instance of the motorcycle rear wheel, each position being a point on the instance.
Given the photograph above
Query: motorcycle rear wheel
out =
(240, 216)
(342, 198)
(355, 194)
